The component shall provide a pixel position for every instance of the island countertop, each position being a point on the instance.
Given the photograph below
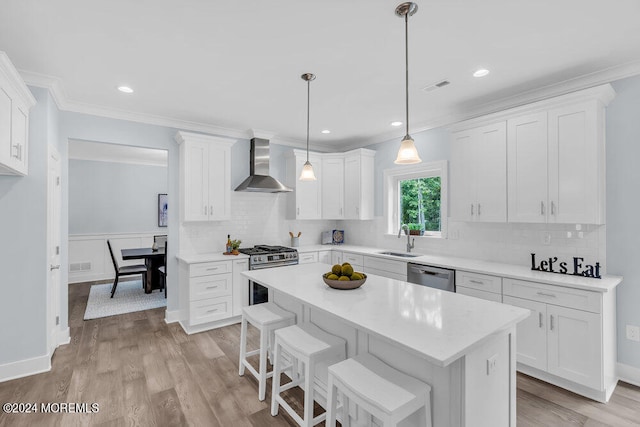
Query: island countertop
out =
(437, 325)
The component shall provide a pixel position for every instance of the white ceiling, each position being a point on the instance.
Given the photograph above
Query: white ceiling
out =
(209, 64)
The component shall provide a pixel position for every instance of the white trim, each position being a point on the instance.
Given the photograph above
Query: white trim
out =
(24, 368)
(64, 337)
(629, 374)
(6, 67)
(190, 330)
(392, 175)
(172, 316)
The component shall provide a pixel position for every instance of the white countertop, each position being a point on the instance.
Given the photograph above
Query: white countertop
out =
(208, 257)
(605, 284)
(439, 326)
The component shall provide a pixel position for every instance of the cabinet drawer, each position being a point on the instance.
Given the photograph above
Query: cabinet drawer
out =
(384, 273)
(308, 258)
(482, 282)
(208, 268)
(353, 259)
(204, 287)
(489, 296)
(209, 310)
(556, 295)
(397, 267)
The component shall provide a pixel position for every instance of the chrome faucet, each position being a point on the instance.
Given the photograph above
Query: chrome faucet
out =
(410, 244)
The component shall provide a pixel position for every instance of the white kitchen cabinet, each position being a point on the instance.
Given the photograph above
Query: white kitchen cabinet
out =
(385, 267)
(556, 162)
(324, 257)
(307, 257)
(478, 285)
(205, 177)
(15, 102)
(569, 338)
(479, 174)
(358, 184)
(336, 257)
(240, 286)
(209, 293)
(333, 187)
(305, 202)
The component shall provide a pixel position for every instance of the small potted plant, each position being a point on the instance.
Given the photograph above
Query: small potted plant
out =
(416, 229)
(235, 244)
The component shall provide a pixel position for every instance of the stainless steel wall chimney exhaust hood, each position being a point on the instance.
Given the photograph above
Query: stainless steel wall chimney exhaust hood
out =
(259, 180)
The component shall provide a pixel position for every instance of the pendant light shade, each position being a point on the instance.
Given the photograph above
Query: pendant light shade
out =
(407, 154)
(307, 170)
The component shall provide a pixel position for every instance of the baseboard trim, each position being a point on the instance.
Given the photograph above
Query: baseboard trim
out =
(172, 316)
(64, 337)
(629, 374)
(24, 368)
(189, 330)
(598, 395)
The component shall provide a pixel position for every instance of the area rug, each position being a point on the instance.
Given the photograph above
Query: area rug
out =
(129, 297)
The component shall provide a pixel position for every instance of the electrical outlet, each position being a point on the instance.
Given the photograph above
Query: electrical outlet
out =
(454, 234)
(491, 364)
(633, 333)
(546, 238)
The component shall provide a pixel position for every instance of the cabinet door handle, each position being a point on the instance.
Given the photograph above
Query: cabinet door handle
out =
(543, 294)
(212, 268)
(541, 208)
(477, 282)
(551, 322)
(540, 319)
(212, 311)
(212, 287)
(54, 267)
(553, 208)
(478, 209)
(471, 209)
(17, 147)
(340, 211)
(357, 210)
(211, 210)
(298, 211)
(205, 210)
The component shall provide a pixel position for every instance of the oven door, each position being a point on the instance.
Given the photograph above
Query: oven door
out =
(258, 294)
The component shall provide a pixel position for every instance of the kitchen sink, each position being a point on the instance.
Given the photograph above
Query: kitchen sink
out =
(400, 254)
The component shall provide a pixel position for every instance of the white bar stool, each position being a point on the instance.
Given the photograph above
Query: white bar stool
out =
(267, 318)
(382, 391)
(317, 350)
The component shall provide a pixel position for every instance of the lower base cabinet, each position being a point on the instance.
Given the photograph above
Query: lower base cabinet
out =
(212, 294)
(569, 338)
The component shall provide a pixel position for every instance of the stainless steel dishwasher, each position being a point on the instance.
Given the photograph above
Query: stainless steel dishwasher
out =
(433, 277)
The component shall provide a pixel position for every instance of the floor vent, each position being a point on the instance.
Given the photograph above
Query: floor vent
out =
(437, 85)
(79, 266)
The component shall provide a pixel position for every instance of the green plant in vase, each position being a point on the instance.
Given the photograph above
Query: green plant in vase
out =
(235, 244)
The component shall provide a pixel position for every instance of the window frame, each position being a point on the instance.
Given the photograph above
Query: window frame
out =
(392, 178)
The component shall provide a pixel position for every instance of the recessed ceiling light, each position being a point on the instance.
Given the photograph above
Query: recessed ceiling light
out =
(396, 123)
(481, 72)
(125, 89)
(326, 131)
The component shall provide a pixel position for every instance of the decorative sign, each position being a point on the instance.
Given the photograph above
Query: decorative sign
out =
(551, 265)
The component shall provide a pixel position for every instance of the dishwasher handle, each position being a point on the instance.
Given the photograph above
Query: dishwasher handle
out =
(431, 271)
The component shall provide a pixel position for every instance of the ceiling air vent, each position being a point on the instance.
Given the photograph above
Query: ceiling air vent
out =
(437, 85)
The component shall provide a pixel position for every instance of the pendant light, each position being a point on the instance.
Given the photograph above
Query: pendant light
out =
(407, 154)
(307, 170)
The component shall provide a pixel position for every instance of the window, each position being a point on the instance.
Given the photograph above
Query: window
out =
(416, 196)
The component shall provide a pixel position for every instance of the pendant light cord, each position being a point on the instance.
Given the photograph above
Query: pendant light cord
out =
(308, 107)
(406, 68)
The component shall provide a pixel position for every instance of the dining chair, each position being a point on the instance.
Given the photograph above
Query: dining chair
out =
(127, 270)
(160, 240)
(163, 269)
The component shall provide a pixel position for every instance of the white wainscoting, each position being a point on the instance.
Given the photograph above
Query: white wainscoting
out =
(89, 258)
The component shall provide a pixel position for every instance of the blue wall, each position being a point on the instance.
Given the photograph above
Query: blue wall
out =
(23, 252)
(106, 197)
(623, 208)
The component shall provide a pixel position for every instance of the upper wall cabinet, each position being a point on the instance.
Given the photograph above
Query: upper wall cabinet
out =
(479, 174)
(15, 102)
(343, 189)
(358, 184)
(555, 162)
(205, 177)
(306, 200)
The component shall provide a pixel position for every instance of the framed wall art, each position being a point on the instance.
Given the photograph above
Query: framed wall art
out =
(162, 210)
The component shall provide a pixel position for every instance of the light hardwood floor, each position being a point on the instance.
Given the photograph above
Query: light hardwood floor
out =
(142, 371)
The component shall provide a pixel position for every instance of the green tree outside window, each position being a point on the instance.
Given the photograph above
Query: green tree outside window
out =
(420, 203)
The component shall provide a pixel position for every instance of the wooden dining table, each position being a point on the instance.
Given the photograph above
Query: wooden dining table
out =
(152, 260)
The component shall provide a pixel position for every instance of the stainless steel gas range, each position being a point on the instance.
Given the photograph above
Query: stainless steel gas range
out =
(265, 256)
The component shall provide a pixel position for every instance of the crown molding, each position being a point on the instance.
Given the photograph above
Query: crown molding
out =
(571, 85)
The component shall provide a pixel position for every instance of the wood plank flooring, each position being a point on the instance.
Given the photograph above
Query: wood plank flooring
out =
(143, 372)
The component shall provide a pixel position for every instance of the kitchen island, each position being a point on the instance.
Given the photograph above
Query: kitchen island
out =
(463, 347)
